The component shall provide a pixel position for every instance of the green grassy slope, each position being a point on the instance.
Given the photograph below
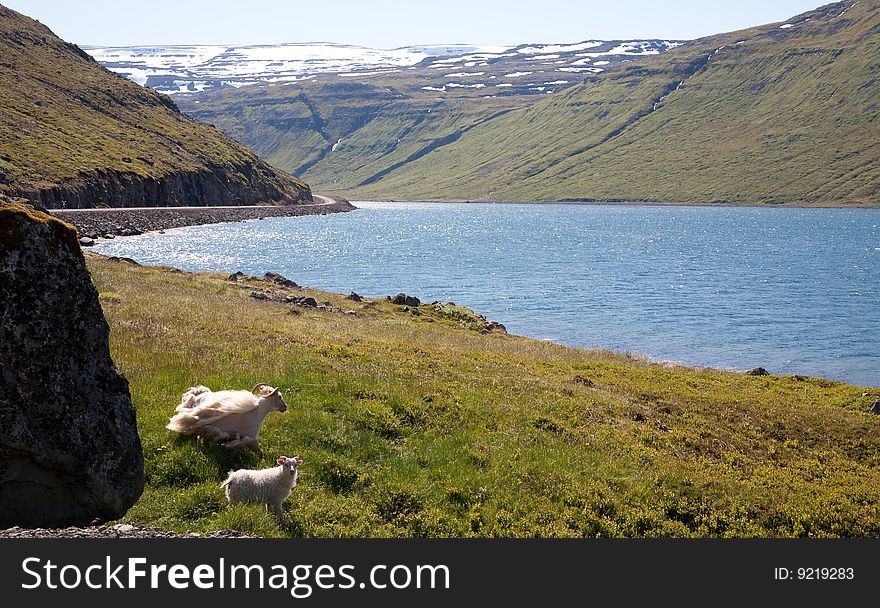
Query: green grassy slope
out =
(422, 426)
(343, 133)
(770, 114)
(351, 129)
(70, 128)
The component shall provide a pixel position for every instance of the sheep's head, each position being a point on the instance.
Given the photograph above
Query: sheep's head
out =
(271, 396)
(289, 464)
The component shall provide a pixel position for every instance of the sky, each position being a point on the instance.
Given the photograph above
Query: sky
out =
(394, 23)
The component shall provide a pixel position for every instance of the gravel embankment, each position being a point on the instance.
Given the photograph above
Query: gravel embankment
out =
(115, 531)
(107, 223)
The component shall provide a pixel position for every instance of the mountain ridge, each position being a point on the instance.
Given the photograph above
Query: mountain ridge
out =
(184, 69)
(743, 126)
(73, 134)
(181, 68)
(370, 122)
(745, 117)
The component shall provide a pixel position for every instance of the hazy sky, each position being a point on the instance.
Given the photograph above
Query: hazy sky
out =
(394, 23)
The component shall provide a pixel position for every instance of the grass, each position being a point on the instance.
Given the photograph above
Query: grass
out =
(421, 426)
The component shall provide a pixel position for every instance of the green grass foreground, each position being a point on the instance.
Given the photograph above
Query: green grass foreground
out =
(423, 426)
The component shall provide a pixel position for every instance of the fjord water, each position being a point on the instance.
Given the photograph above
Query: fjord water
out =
(796, 291)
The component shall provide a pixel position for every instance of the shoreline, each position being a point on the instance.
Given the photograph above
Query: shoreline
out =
(642, 355)
(596, 203)
(93, 224)
(97, 224)
(639, 356)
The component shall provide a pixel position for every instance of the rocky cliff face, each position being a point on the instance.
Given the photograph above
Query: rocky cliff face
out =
(185, 189)
(69, 448)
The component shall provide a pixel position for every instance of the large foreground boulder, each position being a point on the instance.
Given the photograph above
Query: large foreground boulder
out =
(69, 448)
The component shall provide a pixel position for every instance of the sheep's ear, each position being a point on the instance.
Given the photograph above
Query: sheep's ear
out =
(281, 460)
(299, 461)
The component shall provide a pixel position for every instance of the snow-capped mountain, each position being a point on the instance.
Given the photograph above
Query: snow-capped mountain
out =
(173, 69)
(181, 69)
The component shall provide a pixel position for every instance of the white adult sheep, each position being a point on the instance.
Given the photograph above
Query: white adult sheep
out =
(230, 418)
(269, 486)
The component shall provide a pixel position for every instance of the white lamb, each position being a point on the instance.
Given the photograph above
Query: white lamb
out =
(269, 486)
(230, 418)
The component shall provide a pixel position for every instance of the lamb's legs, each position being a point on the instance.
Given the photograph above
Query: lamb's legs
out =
(279, 512)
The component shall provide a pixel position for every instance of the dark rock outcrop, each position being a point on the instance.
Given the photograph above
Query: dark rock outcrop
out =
(278, 279)
(875, 408)
(757, 371)
(493, 326)
(406, 300)
(69, 449)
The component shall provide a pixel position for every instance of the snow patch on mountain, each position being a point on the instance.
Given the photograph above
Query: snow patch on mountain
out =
(195, 68)
(560, 48)
(173, 69)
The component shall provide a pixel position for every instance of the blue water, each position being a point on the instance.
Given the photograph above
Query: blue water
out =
(794, 290)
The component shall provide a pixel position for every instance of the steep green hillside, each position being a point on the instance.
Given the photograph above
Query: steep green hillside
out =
(771, 114)
(74, 134)
(348, 129)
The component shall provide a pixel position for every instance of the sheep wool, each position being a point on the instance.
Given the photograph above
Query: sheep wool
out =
(230, 418)
(268, 486)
